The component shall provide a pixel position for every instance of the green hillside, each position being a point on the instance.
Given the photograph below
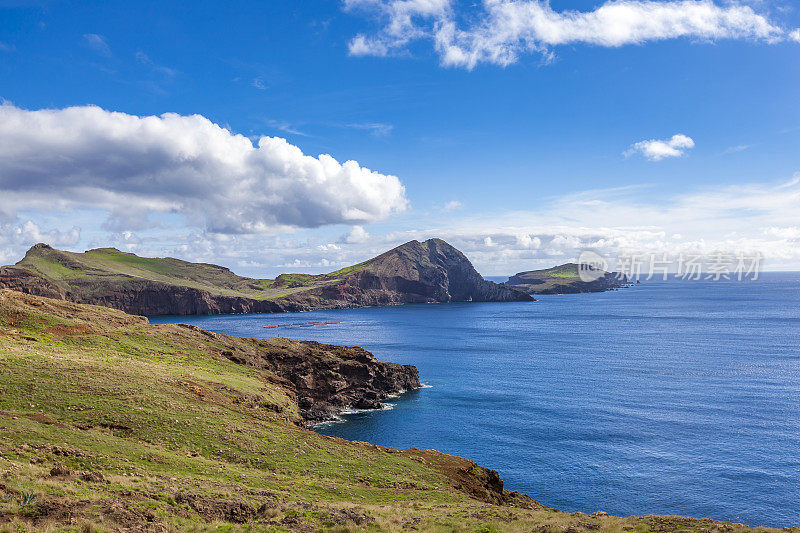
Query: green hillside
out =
(73, 271)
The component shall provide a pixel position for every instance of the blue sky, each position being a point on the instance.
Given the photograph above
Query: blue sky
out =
(520, 149)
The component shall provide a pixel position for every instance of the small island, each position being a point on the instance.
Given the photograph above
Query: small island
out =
(565, 279)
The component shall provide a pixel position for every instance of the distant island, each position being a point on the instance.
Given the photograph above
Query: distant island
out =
(415, 272)
(564, 279)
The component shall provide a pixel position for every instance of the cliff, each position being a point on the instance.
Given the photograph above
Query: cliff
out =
(564, 279)
(416, 272)
(325, 379)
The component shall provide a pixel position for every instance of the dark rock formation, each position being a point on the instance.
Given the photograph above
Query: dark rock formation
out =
(326, 378)
(149, 298)
(22, 280)
(416, 272)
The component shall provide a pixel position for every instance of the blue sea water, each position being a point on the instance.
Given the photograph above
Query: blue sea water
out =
(668, 397)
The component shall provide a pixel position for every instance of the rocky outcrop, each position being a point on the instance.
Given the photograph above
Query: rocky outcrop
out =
(329, 379)
(326, 378)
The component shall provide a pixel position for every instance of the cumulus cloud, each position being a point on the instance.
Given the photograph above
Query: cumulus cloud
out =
(15, 238)
(502, 30)
(356, 235)
(132, 166)
(656, 150)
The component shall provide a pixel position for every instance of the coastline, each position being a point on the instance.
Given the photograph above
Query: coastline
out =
(257, 427)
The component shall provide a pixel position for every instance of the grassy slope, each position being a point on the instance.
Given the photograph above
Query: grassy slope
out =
(108, 266)
(186, 439)
(568, 271)
(565, 272)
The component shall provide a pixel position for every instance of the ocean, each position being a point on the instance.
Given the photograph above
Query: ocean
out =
(676, 397)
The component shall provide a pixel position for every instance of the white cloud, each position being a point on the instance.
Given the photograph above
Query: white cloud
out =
(525, 240)
(286, 127)
(356, 235)
(656, 150)
(791, 233)
(361, 46)
(132, 166)
(759, 217)
(402, 17)
(502, 30)
(305, 264)
(98, 44)
(15, 238)
(126, 241)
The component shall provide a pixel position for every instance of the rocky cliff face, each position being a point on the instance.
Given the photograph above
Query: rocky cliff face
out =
(149, 298)
(329, 379)
(22, 280)
(416, 272)
(326, 378)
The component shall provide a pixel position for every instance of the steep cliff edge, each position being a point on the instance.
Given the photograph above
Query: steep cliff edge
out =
(416, 272)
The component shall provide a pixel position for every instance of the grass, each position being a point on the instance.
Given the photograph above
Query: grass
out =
(107, 422)
(567, 271)
(99, 269)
